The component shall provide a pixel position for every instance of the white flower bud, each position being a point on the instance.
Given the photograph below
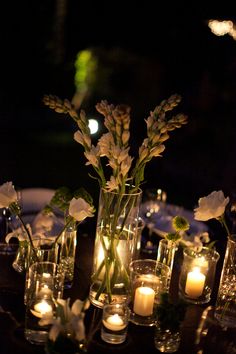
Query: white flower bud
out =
(8, 195)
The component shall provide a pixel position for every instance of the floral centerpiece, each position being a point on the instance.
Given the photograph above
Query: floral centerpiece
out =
(120, 187)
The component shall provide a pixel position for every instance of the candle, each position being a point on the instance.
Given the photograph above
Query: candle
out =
(41, 308)
(144, 301)
(114, 323)
(195, 283)
(46, 275)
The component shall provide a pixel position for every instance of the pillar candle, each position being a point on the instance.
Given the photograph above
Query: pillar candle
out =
(144, 301)
(195, 283)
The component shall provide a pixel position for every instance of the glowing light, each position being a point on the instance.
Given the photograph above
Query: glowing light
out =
(93, 126)
(221, 28)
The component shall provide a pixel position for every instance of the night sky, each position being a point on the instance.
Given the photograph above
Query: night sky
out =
(145, 53)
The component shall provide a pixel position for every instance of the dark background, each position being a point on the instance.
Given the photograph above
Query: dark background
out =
(145, 52)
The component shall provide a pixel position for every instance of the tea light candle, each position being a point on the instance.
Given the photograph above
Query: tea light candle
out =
(47, 275)
(144, 301)
(114, 323)
(41, 308)
(195, 283)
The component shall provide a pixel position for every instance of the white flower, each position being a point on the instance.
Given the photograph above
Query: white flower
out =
(92, 156)
(211, 207)
(43, 222)
(66, 320)
(112, 185)
(125, 165)
(195, 241)
(79, 138)
(21, 235)
(8, 195)
(18, 233)
(55, 329)
(79, 209)
(104, 143)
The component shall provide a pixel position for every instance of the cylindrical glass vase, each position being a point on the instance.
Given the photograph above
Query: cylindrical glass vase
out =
(225, 311)
(68, 242)
(197, 275)
(115, 246)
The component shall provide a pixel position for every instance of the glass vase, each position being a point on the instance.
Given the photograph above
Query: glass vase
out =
(166, 254)
(225, 311)
(115, 246)
(68, 243)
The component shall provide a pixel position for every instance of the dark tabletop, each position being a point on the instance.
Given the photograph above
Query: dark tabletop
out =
(140, 339)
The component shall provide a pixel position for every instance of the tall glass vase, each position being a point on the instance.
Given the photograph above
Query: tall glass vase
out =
(225, 311)
(115, 246)
(68, 242)
(166, 254)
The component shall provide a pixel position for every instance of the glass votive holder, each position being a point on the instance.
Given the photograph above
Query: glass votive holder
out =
(149, 279)
(115, 319)
(44, 250)
(197, 275)
(45, 285)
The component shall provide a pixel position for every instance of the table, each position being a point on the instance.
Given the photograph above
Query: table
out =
(139, 340)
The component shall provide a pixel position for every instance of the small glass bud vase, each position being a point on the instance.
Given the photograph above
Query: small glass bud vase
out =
(166, 340)
(68, 243)
(166, 254)
(225, 311)
(197, 275)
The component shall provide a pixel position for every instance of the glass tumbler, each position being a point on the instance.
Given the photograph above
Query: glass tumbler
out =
(115, 318)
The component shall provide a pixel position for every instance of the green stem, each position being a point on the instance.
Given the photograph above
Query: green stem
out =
(222, 220)
(27, 231)
(63, 229)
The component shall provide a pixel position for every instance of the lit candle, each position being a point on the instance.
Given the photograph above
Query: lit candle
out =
(144, 301)
(195, 283)
(47, 275)
(41, 308)
(114, 323)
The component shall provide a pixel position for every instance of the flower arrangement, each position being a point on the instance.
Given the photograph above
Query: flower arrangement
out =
(114, 145)
(67, 331)
(120, 182)
(75, 207)
(213, 206)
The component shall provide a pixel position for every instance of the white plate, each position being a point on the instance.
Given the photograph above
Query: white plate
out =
(161, 216)
(33, 200)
